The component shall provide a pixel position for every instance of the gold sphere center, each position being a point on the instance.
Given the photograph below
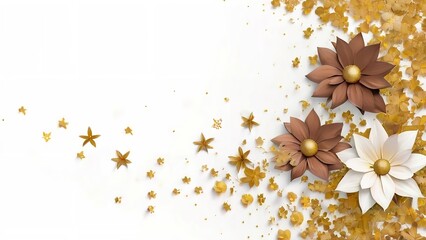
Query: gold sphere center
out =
(309, 147)
(351, 73)
(381, 166)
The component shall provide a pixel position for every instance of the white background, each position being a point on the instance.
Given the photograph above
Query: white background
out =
(145, 64)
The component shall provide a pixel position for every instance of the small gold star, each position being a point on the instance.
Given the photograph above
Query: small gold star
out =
(81, 155)
(62, 123)
(89, 138)
(117, 200)
(121, 160)
(226, 206)
(186, 180)
(46, 136)
(249, 122)
(128, 130)
(240, 161)
(151, 194)
(203, 144)
(160, 161)
(22, 110)
(150, 209)
(150, 174)
(176, 191)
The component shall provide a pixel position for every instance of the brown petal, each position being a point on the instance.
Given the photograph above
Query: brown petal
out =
(335, 80)
(374, 82)
(379, 103)
(355, 95)
(299, 129)
(291, 147)
(357, 43)
(367, 55)
(328, 57)
(297, 158)
(318, 168)
(286, 167)
(367, 100)
(335, 166)
(339, 95)
(328, 144)
(378, 68)
(327, 157)
(298, 170)
(313, 122)
(340, 147)
(323, 72)
(324, 89)
(287, 126)
(344, 53)
(329, 131)
(285, 139)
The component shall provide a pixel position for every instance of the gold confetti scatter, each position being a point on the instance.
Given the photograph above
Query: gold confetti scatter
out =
(213, 172)
(282, 212)
(248, 122)
(121, 159)
(62, 123)
(291, 196)
(226, 99)
(226, 206)
(305, 104)
(220, 187)
(284, 234)
(273, 186)
(22, 110)
(151, 194)
(46, 136)
(198, 190)
(160, 161)
(347, 116)
(259, 142)
(240, 161)
(275, 3)
(246, 199)
(117, 200)
(128, 130)
(313, 60)
(150, 174)
(89, 138)
(80, 155)
(296, 218)
(186, 180)
(307, 32)
(176, 191)
(217, 123)
(295, 62)
(261, 199)
(150, 209)
(203, 144)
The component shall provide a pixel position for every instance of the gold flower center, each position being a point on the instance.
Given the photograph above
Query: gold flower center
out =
(309, 147)
(351, 73)
(381, 166)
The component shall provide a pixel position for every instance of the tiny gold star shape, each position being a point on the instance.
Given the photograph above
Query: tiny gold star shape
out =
(150, 174)
(90, 137)
(22, 110)
(128, 130)
(150, 209)
(46, 136)
(80, 155)
(121, 159)
(62, 123)
(248, 122)
(203, 144)
(117, 200)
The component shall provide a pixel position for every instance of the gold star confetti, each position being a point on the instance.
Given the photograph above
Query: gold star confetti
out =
(246, 199)
(151, 194)
(80, 155)
(160, 161)
(89, 138)
(128, 130)
(248, 122)
(217, 123)
(176, 191)
(308, 32)
(150, 209)
(121, 160)
(117, 200)
(220, 187)
(226, 206)
(313, 60)
(46, 136)
(240, 161)
(186, 180)
(22, 110)
(296, 62)
(198, 190)
(150, 174)
(253, 176)
(261, 199)
(62, 123)
(213, 172)
(282, 212)
(273, 186)
(203, 144)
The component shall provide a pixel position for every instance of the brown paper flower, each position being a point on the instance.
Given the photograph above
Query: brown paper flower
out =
(352, 73)
(308, 145)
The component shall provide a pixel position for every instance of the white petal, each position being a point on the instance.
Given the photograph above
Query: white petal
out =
(368, 180)
(365, 148)
(400, 157)
(366, 201)
(401, 172)
(383, 191)
(378, 137)
(359, 165)
(350, 182)
(347, 154)
(416, 162)
(407, 188)
(406, 140)
(390, 147)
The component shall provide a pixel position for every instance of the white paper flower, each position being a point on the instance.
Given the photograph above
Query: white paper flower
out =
(381, 166)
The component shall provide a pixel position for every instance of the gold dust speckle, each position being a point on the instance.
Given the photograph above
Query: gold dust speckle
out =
(307, 32)
(151, 194)
(313, 60)
(62, 123)
(160, 161)
(150, 209)
(176, 191)
(186, 180)
(213, 172)
(22, 110)
(80, 155)
(226, 99)
(117, 200)
(150, 174)
(226, 206)
(305, 104)
(217, 123)
(198, 190)
(261, 199)
(46, 136)
(295, 62)
(128, 130)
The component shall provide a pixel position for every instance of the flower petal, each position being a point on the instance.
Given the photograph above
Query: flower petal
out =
(374, 82)
(378, 68)
(368, 180)
(335, 80)
(366, 201)
(383, 190)
(328, 57)
(339, 95)
(347, 154)
(336, 166)
(350, 182)
(416, 162)
(344, 53)
(324, 89)
(318, 168)
(401, 172)
(378, 137)
(355, 95)
(400, 157)
(323, 72)
(327, 157)
(366, 56)
(329, 131)
(406, 140)
(285, 139)
(299, 129)
(340, 147)
(407, 188)
(378, 102)
(365, 148)
(287, 126)
(359, 165)
(298, 170)
(328, 144)
(313, 122)
(357, 43)
(285, 167)
(390, 147)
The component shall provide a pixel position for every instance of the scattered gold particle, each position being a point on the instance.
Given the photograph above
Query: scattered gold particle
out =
(62, 123)
(347, 116)
(271, 220)
(259, 142)
(160, 161)
(240, 161)
(128, 130)
(213, 172)
(176, 191)
(80, 155)
(228, 176)
(186, 180)
(46, 136)
(150, 209)
(296, 218)
(284, 234)
(296, 62)
(261, 199)
(275, 3)
(362, 122)
(220, 187)
(22, 110)
(246, 199)
(305, 104)
(198, 190)
(89, 137)
(248, 122)
(226, 206)
(313, 60)
(204, 168)
(151, 194)
(217, 123)
(150, 174)
(121, 159)
(226, 99)
(291, 196)
(273, 186)
(203, 144)
(117, 200)
(308, 32)
(282, 212)
(305, 201)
